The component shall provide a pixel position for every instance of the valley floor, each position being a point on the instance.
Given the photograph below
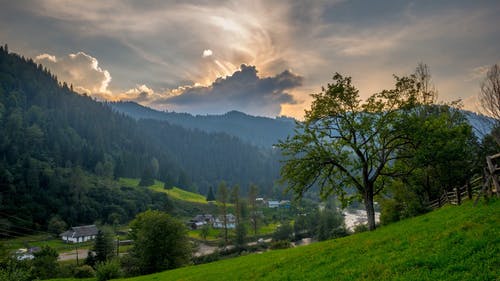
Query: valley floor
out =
(452, 243)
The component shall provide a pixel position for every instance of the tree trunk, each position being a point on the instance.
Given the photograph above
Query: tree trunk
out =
(370, 212)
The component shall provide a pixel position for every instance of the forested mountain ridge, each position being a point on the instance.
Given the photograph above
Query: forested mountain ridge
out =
(261, 131)
(59, 153)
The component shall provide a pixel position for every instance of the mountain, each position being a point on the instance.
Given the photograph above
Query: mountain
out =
(60, 151)
(260, 131)
(481, 125)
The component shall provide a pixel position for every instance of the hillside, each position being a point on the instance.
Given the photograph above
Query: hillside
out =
(452, 243)
(174, 193)
(59, 151)
(260, 131)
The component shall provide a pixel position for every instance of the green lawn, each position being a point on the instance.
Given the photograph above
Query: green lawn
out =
(175, 193)
(213, 234)
(452, 243)
(42, 240)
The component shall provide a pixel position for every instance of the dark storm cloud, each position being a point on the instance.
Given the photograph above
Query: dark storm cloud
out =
(244, 90)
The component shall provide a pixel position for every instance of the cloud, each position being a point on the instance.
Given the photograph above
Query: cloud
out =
(244, 90)
(80, 69)
(157, 43)
(207, 53)
(47, 57)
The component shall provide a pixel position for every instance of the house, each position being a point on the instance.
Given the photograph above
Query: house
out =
(78, 234)
(200, 220)
(273, 204)
(231, 222)
(285, 204)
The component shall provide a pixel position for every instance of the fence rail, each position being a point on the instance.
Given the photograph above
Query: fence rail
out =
(488, 183)
(458, 195)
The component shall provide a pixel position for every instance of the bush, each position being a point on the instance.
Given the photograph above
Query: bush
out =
(84, 271)
(16, 274)
(360, 228)
(108, 270)
(283, 232)
(280, 244)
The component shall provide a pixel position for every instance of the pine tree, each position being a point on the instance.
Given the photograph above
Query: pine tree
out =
(210, 195)
(104, 246)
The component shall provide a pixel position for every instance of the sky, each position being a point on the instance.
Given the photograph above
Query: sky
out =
(260, 57)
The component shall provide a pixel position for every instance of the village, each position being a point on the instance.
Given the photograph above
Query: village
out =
(80, 239)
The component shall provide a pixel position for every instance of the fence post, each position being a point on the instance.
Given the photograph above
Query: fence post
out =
(457, 191)
(469, 190)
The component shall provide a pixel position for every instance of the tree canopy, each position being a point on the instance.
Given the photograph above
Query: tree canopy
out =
(160, 242)
(346, 143)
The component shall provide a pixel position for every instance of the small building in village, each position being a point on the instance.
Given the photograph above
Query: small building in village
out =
(285, 204)
(79, 234)
(273, 204)
(230, 222)
(200, 220)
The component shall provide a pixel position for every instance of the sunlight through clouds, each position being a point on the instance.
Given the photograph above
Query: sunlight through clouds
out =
(170, 45)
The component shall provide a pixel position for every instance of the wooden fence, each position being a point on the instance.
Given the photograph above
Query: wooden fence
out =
(488, 184)
(455, 197)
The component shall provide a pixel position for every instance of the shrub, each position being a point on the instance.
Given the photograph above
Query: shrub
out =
(360, 228)
(283, 232)
(84, 271)
(280, 244)
(108, 270)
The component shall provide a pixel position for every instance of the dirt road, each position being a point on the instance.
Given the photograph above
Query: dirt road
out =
(82, 254)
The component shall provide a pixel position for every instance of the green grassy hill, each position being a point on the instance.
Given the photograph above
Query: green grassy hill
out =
(174, 193)
(452, 243)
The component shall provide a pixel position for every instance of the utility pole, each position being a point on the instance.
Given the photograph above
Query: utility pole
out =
(76, 248)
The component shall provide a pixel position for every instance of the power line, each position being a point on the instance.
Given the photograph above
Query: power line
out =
(25, 221)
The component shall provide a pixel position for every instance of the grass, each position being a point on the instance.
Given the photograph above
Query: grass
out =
(213, 234)
(452, 243)
(175, 192)
(42, 240)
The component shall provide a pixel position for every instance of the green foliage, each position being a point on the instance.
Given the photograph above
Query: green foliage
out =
(58, 157)
(403, 202)
(160, 242)
(108, 270)
(330, 224)
(56, 225)
(84, 271)
(205, 230)
(45, 263)
(210, 195)
(280, 244)
(283, 232)
(463, 246)
(444, 149)
(223, 200)
(15, 274)
(344, 143)
(360, 228)
(104, 245)
(241, 234)
(252, 203)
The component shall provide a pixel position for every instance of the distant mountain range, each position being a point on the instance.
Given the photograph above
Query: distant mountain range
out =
(482, 125)
(260, 131)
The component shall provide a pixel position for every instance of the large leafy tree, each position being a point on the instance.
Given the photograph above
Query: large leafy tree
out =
(345, 144)
(160, 242)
